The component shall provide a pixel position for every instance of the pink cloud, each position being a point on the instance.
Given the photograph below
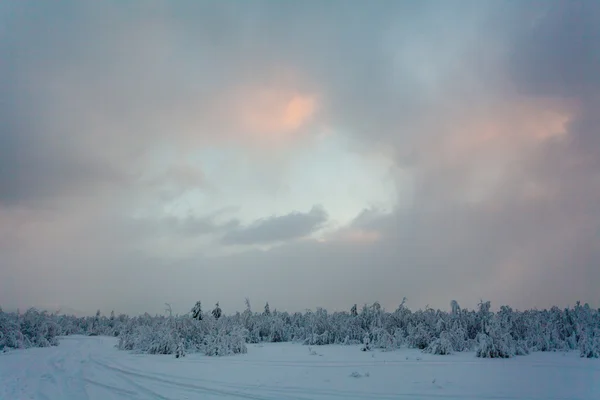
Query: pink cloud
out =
(271, 115)
(476, 149)
(353, 235)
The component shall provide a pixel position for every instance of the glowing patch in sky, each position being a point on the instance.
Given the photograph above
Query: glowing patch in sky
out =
(269, 113)
(482, 144)
(352, 235)
(324, 172)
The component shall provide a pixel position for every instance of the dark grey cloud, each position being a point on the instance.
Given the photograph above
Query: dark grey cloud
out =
(560, 53)
(81, 89)
(39, 158)
(32, 172)
(278, 228)
(560, 56)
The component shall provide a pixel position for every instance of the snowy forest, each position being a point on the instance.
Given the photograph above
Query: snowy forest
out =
(502, 334)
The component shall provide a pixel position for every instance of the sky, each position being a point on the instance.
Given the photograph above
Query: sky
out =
(309, 154)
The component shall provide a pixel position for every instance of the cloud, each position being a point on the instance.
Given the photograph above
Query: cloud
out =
(125, 128)
(278, 228)
(272, 112)
(193, 226)
(87, 105)
(353, 235)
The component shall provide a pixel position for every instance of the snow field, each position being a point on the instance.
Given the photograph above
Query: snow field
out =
(92, 368)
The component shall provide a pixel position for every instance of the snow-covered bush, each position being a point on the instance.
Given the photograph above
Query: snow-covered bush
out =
(182, 335)
(399, 337)
(151, 335)
(10, 335)
(38, 329)
(419, 336)
(192, 333)
(503, 333)
(180, 350)
(382, 339)
(222, 343)
(318, 340)
(366, 344)
(521, 348)
(589, 344)
(497, 341)
(148, 339)
(441, 345)
(31, 329)
(494, 346)
(278, 331)
(457, 337)
(499, 334)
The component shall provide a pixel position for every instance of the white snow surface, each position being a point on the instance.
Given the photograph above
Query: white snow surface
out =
(92, 368)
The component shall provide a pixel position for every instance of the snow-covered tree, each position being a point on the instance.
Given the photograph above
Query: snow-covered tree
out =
(366, 343)
(32, 329)
(382, 339)
(457, 336)
(216, 312)
(180, 350)
(501, 333)
(496, 340)
(197, 311)
(223, 342)
(419, 336)
(441, 345)
(455, 307)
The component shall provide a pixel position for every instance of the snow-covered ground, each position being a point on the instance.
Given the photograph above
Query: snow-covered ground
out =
(91, 368)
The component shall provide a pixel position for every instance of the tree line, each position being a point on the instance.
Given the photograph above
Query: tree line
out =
(504, 333)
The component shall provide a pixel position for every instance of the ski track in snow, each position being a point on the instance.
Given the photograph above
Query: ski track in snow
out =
(83, 368)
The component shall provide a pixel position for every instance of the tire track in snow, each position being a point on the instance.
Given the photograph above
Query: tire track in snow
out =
(112, 389)
(66, 384)
(343, 364)
(125, 374)
(282, 390)
(71, 372)
(177, 381)
(142, 389)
